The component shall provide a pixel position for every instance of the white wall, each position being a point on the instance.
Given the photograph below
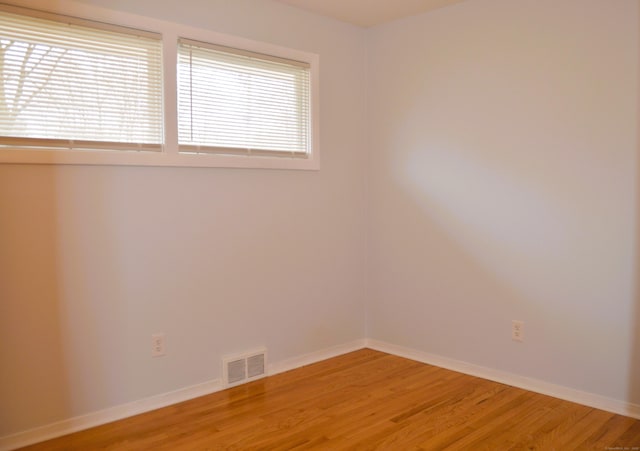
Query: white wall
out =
(504, 142)
(93, 260)
(501, 184)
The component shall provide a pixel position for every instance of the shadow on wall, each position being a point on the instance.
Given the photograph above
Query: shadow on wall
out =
(634, 367)
(513, 270)
(523, 155)
(34, 388)
(439, 287)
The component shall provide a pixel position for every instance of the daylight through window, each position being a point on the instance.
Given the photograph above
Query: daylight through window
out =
(71, 85)
(234, 101)
(82, 91)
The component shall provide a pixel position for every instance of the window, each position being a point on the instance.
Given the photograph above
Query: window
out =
(83, 91)
(77, 85)
(233, 101)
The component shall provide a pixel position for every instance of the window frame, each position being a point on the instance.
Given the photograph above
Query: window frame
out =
(170, 154)
(256, 71)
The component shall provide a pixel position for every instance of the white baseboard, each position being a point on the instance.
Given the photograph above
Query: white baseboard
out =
(313, 357)
(120, 412)
(514, 380)
(93, 419)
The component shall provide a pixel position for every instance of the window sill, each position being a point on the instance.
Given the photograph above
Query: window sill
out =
(71, 157)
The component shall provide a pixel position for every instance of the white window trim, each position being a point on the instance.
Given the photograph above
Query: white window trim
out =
(170, 156)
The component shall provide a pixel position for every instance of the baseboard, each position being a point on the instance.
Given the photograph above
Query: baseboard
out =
(313, 357)
(120, 412)
(93, 419)
(514, 380)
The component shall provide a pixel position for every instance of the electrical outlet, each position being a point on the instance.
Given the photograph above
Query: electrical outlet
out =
(157, 345)
(517, 330)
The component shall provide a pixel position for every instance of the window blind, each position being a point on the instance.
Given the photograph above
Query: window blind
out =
(233, 101)
(75, 84)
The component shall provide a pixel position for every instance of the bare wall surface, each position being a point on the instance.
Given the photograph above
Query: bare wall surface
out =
(33, 376)
(504, 140)
(500, 182)
(634, 370)
(93, 260)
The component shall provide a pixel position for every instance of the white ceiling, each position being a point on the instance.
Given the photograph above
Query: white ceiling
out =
(367, 13)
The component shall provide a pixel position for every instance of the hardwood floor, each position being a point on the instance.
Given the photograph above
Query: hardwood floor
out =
(365, 400)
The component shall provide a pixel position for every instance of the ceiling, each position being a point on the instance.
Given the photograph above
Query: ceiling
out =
(367, 13)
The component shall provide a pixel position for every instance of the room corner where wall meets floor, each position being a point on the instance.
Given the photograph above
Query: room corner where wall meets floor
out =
(480, 165)
(504, 186)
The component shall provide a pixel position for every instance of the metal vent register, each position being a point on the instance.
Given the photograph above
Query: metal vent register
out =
(243, 368)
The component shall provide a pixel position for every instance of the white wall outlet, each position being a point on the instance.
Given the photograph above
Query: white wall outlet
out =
(517, 330)
(157, 345)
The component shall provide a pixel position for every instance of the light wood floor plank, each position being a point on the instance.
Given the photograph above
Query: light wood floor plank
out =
(365, 400)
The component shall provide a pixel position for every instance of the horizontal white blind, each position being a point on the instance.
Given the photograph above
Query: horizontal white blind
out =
(232, 101)
(75, 84)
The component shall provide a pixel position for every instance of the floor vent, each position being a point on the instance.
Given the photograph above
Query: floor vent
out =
(243, 368)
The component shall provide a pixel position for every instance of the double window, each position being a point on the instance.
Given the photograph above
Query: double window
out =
(79, 91)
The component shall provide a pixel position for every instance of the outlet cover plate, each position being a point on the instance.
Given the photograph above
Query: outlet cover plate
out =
(158, 345)
(517, 330)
